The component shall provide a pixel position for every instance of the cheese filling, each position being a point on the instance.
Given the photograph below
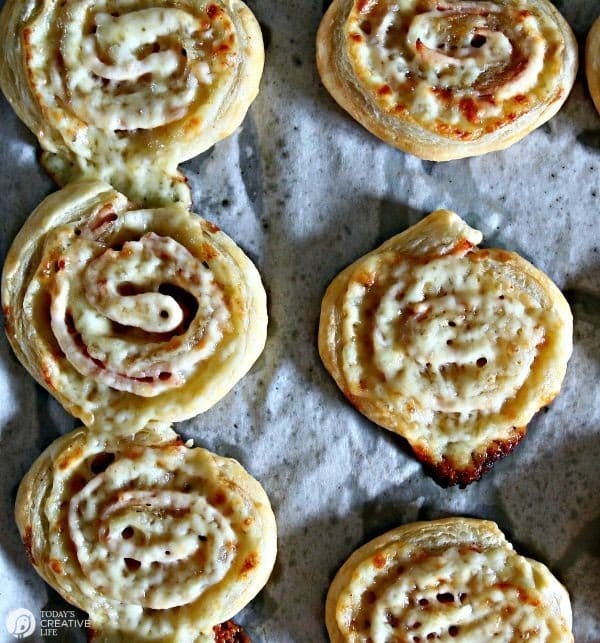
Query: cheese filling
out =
(447, 333)
(121, 66)
(460, 593)
(139, 315)
(454, 64)
(140, 533)
(151, 536)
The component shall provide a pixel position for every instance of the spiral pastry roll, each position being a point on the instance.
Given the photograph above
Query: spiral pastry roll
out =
(155, 540)
(123, 91)
(592, 62)
(445, 580)
(451, 79)
(451, 346)
(127, 315)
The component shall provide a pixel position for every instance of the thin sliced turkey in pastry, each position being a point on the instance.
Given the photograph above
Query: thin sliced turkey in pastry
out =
(447, 80)
(156, 540)
(130, 315)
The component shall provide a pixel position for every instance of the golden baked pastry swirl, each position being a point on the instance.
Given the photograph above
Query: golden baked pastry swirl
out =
(451, 346)
(155, 540)
(451, 79)
(445, 580)
(128, 315)
(123, 91)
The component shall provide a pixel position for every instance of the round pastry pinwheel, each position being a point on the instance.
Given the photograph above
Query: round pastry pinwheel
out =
(444, 580)
(128, 316)
(451, 79)
(451, 346)
(123, 92)
(592, 62)
(157, 541)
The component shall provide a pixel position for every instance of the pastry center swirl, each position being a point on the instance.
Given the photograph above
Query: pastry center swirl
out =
(138, 317)
(122, 66)
(495, 51)
(462, 63)
(459, 593)
(143, 526)
(445, 333)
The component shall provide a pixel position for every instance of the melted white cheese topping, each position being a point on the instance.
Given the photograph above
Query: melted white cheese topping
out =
(86, 304)
(424, 57)
(86, 300)
(454, 594)
(146, 544)
(146, 537)
(447, 336)
(443, 334)
(120, 67)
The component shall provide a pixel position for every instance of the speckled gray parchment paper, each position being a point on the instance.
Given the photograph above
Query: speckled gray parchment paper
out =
(305, 191)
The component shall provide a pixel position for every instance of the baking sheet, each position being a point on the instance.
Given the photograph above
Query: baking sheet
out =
(305, 191)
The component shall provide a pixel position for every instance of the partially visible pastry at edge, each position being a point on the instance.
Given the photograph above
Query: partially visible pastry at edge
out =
(445, 580)
(451, 79)
(227, 632)
(128, 315)
(124, 92)
(230, 632)
(157, 541)
(451, 346)
(592, 62)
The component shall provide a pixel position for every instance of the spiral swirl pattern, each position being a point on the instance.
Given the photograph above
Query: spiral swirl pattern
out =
(148, 536)
(451, 79)
(122, 91)
(424, 582)
(143, 68)
(131, 315)
(445, 344)
(433, 337)
(457, 68)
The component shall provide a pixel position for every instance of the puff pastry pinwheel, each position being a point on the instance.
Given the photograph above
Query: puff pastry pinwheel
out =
(451, 79)
(592, 62)
(128, 316)
(444, 580)
(157, 541)
(451, 346)
(123, 92)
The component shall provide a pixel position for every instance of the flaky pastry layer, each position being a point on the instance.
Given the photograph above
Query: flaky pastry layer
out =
(123, 91)
(592, 62)
(126, 315)
(451, 346)
(444, 580)
(156, 540)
